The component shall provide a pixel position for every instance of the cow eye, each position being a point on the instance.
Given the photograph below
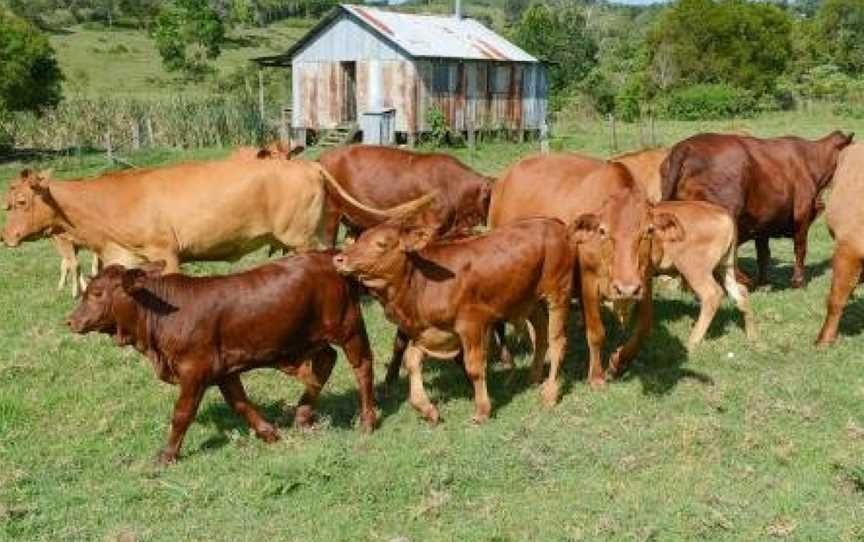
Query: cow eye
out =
(602, 231)
(381, 243)
(21, 202)
(649, 231)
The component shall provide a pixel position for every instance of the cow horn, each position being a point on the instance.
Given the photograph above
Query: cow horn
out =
(381, 214)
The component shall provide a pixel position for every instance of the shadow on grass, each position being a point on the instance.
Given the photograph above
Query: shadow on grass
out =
(852, 320)
(28, 155)
(780, 275)
(342, 409)
(672, 310)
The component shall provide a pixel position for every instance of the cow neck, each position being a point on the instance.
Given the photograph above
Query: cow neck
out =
(79, 203)
(140, 325)
(397, 296)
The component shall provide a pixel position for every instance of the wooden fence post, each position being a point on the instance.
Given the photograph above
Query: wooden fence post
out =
(613, 137)
(150, 138)
(261, 99)
(544, 139)
(651, 122)
(108, 145)
(136, 135)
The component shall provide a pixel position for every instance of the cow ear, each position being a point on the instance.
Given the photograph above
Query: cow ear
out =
(587, 228)
(133, 281)
(25, 173)
(153, 269)
(667, 228)
(416, 238)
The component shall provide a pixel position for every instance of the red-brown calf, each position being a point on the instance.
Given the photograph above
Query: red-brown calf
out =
(201, 331)
(445, 296)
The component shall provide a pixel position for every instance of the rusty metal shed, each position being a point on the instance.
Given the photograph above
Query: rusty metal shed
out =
(359, 59)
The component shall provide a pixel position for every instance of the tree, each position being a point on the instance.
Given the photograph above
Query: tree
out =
(30, 79)
(745, 44)
(839, 29)
(560, 39)
(187, 34)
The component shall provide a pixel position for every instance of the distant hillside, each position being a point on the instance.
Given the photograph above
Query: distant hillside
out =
(97, 61)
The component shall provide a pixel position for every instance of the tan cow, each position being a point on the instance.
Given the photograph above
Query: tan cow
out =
(66, 246)
(845, 217)
(196, 211)
(707, 251)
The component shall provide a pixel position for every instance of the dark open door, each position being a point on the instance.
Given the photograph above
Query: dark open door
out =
(349, 105)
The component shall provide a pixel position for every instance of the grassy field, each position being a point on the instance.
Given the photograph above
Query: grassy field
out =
(124, 61)
(732, 442)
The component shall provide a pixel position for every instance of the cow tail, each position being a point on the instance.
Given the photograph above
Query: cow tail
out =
(337, 192)
(670, 172)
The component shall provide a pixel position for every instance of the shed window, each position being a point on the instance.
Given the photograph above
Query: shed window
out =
(499, 79)
(441, 78)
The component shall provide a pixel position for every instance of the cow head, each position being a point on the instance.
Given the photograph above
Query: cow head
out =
(109, 297)
(621, 233)
(30, 209)
(378, 257)
(830, 147)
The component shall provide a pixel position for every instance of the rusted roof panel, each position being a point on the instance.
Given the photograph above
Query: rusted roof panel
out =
(433, 36)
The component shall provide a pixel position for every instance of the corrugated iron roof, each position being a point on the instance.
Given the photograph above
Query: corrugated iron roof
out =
(439, 36)
(421, 36)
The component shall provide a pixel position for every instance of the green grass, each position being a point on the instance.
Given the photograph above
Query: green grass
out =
(733, 442)
(123, 61)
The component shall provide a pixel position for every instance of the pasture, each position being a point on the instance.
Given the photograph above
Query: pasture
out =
(735, 441)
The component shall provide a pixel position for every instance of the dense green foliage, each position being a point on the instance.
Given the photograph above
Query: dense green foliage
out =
(708, 101)
(559, 38)
(188, 33)
(29, 75)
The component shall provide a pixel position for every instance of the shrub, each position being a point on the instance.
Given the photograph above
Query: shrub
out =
(7, 139)
(439, 128)
(708, 102)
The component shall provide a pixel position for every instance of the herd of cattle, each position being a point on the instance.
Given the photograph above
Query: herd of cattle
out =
(560, 227)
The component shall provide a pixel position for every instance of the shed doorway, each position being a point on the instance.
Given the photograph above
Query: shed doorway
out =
(349, 102)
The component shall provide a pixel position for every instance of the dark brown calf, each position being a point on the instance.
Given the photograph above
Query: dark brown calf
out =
(201, 331)
(446, 296)
(771, 187)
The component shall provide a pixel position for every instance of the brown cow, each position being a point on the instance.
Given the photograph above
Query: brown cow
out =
(201, 331)
(845, 218)
(708, 249)
(447, 295)
(215, 210)
(613, 221)
(770, 186)
(385, 177)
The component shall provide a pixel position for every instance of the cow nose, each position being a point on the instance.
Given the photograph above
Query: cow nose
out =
(627, 290)
(339, 262)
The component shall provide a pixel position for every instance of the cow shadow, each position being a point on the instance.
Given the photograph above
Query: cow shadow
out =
(659, 366)
(446, 381)
(780, 272)
(341, 409)
(852, 320)
(726, 317)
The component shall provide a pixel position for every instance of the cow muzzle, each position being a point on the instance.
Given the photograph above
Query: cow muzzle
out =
(340, 262)
(622, 291)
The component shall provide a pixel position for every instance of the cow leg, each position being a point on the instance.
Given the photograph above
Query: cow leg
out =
(234, 394)
(313, 374)
(709, 293)
(400, 343)
(739, 293)
(763, 260)
(359, 355)
(191, 391)
(623, 356)
(557, 346)
(846, 267)
(540, 339)
(332, 219)
(475, 341)
(595, 331)
(417, 394)
(802, 228)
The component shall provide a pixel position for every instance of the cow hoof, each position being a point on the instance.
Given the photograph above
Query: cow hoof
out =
(304, 418)
(431, 415)
(597, 383)
(368, 423)
(269, 435)
(549, 394)
(480, 419)
(166, 458)
(798, 282)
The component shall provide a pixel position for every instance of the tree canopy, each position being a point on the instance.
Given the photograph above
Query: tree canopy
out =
(30, 79)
